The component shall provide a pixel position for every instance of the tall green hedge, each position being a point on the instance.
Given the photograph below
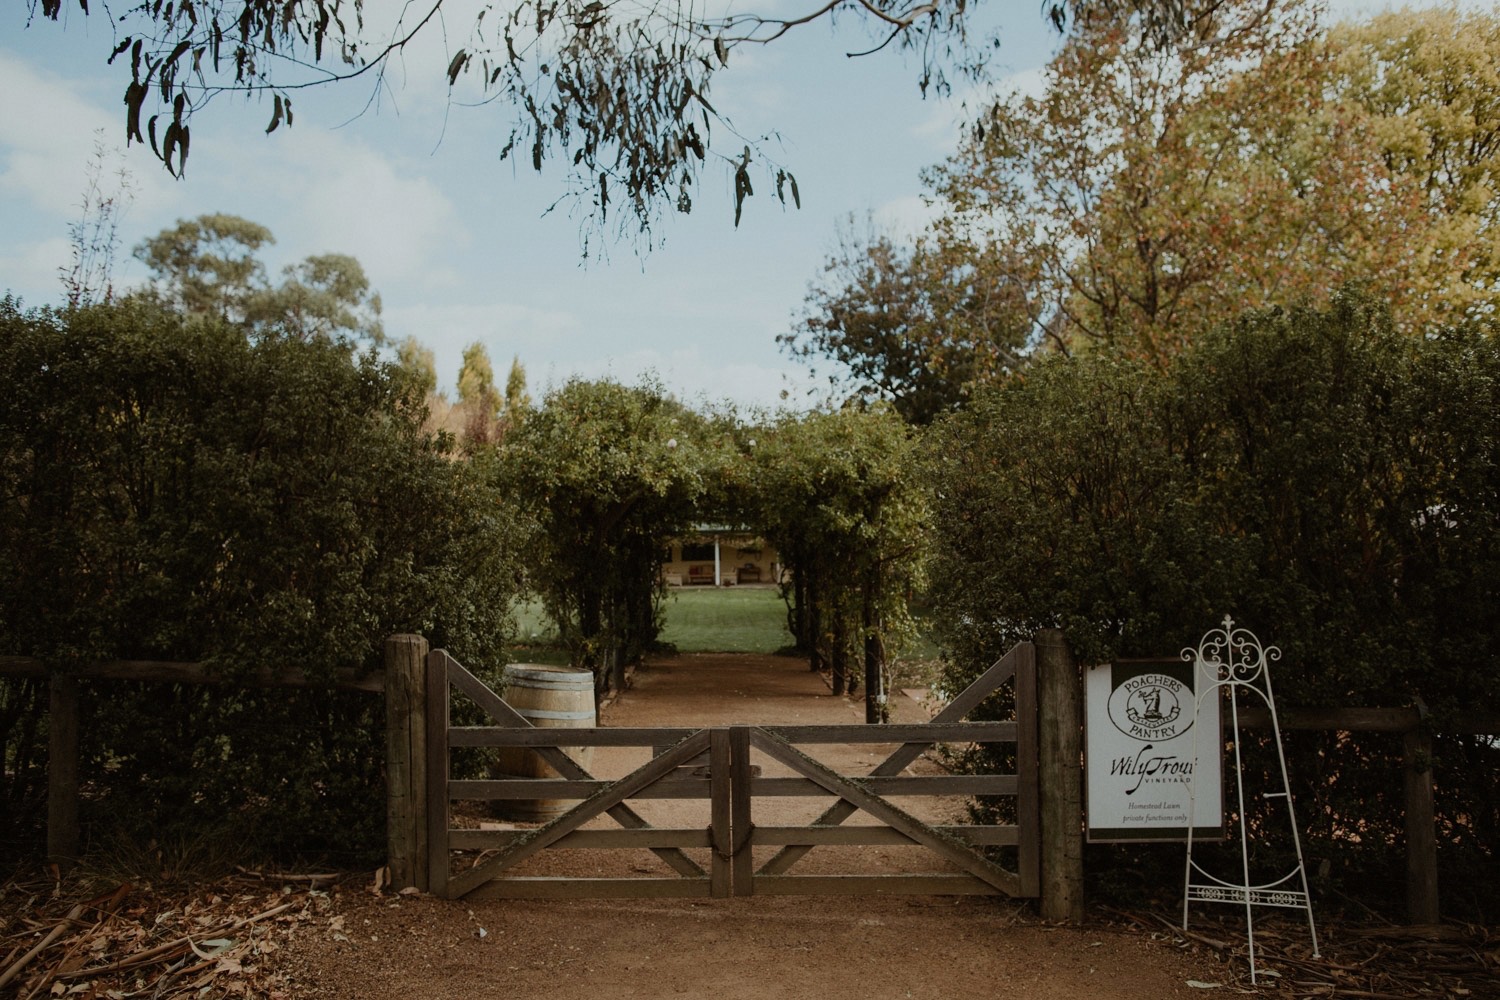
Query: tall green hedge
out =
(179, 491)
(1330, 484)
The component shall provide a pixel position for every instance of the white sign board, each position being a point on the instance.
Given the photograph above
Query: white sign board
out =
(1141, 772)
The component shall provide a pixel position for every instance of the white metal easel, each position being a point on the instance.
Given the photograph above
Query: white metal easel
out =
(1233, 659)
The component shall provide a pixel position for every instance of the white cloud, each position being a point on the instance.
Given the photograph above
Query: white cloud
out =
(395, 223)
(41, 162)
(32, 269)
(943, 122)
(418, 71)
(48, 132)
(495, 324)
(47, 135)
(339, 195)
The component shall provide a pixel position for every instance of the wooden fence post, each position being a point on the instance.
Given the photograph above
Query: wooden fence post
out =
(62, 770)
(406, 759)
(1421, 828)
(1059, 707)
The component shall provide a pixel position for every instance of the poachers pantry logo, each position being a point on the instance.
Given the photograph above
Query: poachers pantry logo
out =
(1150, 707)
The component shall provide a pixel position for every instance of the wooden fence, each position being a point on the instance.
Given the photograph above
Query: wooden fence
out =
(1417, 783)
(64, 690)
(409, 715)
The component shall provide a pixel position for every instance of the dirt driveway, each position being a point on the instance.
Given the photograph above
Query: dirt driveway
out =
(860, 948)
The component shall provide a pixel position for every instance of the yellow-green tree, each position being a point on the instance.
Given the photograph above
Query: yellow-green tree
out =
(1147, 195)
(1099, 187)
(841, 496)
(1426, 82)
(417, 359)
(517, 399)
(607, 475)
(483, 415)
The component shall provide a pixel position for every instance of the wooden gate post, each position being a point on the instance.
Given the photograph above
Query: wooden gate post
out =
(62, 771)
(1421, 829)
(1059, 708)
(406, 759)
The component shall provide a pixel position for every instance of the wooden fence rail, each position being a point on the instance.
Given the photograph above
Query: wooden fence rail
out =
(196, 673)
(1417, 781)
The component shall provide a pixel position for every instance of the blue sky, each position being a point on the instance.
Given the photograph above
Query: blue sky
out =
(457, 242)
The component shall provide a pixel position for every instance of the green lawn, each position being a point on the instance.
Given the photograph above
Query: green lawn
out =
(697, 620)
(725, 620)
(711, 620)
(533, 628)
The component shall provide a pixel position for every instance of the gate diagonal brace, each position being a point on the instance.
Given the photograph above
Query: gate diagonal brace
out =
(948, 847)
(965, 702)
(601, 801)
(502, 714)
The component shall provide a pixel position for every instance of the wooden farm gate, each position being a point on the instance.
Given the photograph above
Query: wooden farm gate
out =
(715, 764)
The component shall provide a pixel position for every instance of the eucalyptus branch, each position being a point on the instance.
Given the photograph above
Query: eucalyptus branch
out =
(899, 20)
(781, 26)
(896, 33)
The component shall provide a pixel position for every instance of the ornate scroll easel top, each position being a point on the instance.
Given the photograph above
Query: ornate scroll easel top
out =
(1230, 655)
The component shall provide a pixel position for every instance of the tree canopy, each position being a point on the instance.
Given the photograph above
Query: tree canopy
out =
(841, 496)
(1152, 194)
(915, 325)
(179, 490)
(1148, 194)
(209, 266)
(1326, 479)
(619, 93)
(1314, 468)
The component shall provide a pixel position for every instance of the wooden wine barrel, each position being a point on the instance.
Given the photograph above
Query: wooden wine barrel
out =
(549, 697)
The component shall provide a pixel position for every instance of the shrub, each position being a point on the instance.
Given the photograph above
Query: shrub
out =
(180, 491)
(1329, 483)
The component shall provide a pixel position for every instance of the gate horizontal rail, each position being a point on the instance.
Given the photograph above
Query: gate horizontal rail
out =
(493, 789)
(843, 836)
(924, 734)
